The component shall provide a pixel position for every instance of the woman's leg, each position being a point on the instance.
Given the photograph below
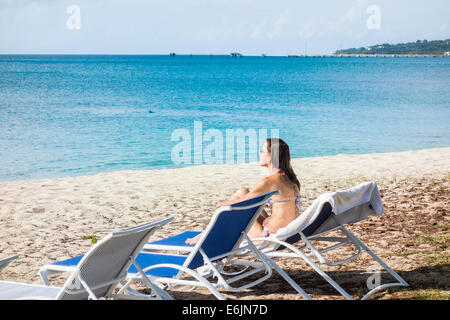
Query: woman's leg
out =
(238, 194)
(256, 231)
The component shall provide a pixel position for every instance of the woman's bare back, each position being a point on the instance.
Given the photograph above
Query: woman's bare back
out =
(284, 206)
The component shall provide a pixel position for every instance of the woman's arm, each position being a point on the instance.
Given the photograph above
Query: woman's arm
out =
(260, 188)
(264, 186)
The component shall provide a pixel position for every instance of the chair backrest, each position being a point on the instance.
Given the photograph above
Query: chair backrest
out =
(106, 263)
(325, 213)
(338, 208)
(225, 230)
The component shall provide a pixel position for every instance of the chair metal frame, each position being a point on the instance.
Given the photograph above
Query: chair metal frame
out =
(272, 245)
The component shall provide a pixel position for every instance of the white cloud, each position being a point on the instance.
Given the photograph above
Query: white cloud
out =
(350, 23)
(277, 27)
(357, 10)
(258, 31)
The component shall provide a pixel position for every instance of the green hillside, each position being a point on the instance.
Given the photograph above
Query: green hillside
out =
(418, 47)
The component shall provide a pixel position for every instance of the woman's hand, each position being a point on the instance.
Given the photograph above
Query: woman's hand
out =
(193, 240)
(220, 204)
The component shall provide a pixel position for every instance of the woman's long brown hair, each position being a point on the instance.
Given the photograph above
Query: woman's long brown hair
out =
(281, 158)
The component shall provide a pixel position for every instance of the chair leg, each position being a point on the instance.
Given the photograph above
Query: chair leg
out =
(289, 280)
(328, 278)
(44, 276)
(401, 281)
(300, 254)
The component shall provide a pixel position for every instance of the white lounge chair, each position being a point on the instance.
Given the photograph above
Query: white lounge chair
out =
(99, 271)
(326, 214)
(5, 261)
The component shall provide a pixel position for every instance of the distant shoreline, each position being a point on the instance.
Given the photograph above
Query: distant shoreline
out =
(371, 56)
(343, 55)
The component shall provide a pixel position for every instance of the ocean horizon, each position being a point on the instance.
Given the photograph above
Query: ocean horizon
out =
(72, 115)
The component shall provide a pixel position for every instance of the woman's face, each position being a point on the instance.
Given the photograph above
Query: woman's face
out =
(264, 156)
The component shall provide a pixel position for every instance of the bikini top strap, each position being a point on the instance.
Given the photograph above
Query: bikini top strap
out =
(296, 198)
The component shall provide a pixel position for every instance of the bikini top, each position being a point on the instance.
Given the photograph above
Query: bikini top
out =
(298, 200)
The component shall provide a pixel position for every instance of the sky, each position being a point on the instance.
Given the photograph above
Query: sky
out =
(250, 27)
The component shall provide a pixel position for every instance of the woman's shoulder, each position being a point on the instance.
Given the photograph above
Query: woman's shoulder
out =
(276, 181)
(283, 183)
(267, 183)
(273, 178)
(272, 182)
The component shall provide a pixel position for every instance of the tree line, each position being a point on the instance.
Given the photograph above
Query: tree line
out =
(418, 47)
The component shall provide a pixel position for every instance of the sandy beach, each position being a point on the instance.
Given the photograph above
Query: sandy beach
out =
(44, 221)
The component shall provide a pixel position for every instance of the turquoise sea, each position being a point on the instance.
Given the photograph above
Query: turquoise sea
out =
(63, 115)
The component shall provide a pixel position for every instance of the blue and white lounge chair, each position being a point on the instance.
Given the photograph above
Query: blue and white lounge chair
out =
(221, 239)
(98, 272)
(326, 214)
(225, 236)
(5, 261)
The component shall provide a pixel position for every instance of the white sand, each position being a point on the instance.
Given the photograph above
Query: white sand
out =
(42, 221)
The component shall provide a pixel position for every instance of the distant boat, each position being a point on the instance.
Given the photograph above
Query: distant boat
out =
(236, 54)
(292, 56)
(172, 54)
(263, 55)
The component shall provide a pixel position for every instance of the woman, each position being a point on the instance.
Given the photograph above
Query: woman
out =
(276, 157)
